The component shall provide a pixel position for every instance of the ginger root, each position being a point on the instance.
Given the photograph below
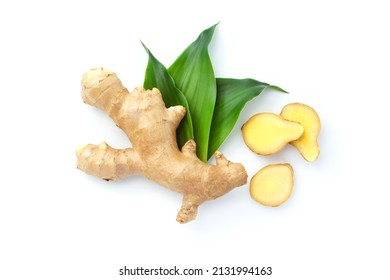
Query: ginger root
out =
(268, 133)
(307, 144)
(273, 184)
(151, 128)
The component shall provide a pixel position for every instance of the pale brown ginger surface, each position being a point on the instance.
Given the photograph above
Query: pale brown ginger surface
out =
(151, 128)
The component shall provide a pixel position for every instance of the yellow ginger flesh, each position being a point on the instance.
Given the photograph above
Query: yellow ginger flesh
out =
(307, 144)
(268, 133)
(273, 184)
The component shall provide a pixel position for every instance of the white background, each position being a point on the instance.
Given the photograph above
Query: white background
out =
(59, 223)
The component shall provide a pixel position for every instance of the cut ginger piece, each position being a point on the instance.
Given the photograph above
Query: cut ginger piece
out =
(268, 133)
(307, 144)
(273, 184)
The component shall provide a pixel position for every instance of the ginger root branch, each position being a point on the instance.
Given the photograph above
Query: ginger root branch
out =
(151, 128)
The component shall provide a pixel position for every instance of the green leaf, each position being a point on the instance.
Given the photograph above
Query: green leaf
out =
(232, 95)
(194, 76)
(157, 76)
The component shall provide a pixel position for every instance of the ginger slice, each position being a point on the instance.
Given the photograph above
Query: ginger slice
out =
(268, 133)
(307, 144)
(273, 184)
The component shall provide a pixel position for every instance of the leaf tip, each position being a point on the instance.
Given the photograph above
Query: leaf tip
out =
(145, 47)
(278, 89)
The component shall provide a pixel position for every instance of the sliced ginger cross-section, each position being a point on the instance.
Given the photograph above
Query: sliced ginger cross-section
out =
(307, 144)
(268, 133)
(273, 184)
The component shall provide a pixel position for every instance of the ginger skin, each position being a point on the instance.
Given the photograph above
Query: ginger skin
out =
(151, 128)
